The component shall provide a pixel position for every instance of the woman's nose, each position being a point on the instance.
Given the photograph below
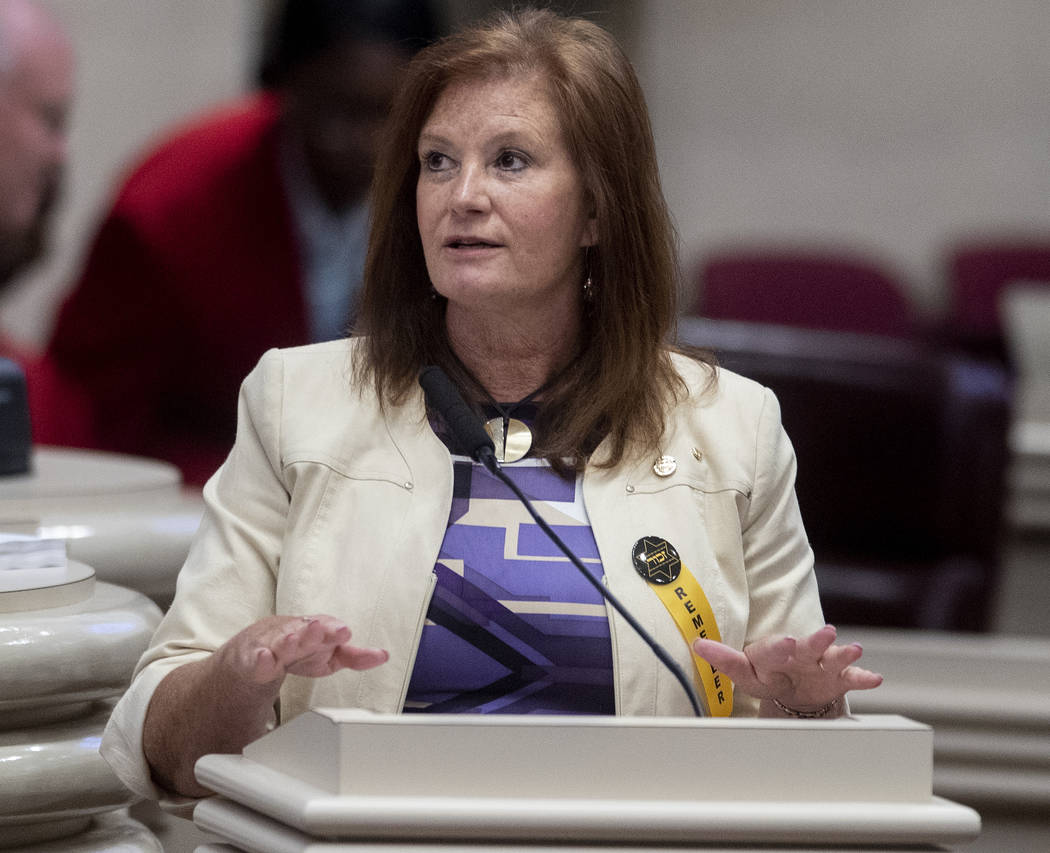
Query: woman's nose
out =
(470, 191)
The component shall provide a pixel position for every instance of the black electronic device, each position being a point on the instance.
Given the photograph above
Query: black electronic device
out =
(15, 436)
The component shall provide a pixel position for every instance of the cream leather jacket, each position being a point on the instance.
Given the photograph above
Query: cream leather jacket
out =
(328, 505)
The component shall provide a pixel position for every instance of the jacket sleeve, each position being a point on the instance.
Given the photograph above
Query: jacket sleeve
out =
(777, 555)
(229, 578)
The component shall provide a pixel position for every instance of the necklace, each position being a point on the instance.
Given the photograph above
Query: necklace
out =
(511, 436)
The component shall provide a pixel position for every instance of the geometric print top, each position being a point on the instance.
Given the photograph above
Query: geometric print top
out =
(513, 627)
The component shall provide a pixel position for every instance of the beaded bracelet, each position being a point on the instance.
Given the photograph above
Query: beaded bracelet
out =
(807, 715)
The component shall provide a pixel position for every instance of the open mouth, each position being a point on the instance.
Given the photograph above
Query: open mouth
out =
(471, 244)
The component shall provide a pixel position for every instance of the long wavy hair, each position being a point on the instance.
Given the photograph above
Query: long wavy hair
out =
(623, 381)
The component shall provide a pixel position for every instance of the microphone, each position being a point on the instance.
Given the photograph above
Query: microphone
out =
(444, 398)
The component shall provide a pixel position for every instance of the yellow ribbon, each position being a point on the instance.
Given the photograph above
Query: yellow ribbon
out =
(685, 600)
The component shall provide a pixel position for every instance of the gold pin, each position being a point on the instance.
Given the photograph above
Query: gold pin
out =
(698, 454)
(665, 466)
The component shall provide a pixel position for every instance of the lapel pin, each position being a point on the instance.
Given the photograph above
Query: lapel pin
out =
(665, 466)
(656, 560)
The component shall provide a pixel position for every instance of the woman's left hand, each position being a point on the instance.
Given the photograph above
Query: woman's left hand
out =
(804, 674)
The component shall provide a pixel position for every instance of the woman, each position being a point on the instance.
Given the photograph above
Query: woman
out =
(520, 242)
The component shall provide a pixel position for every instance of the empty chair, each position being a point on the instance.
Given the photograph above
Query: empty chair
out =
(807, 289)
(977, 274)
(901, 455)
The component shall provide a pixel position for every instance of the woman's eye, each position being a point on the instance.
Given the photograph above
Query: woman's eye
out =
(435, 161)
(511, 161)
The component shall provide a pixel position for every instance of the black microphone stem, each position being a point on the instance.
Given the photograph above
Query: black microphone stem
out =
(488, 458)
(468, 434)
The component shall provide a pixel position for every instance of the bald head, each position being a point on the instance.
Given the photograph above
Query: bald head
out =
(36, 86)
(27, 26)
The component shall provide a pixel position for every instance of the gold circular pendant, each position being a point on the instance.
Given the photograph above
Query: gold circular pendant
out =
(513, 445)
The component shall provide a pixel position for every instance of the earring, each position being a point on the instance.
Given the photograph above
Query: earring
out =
(588, 284)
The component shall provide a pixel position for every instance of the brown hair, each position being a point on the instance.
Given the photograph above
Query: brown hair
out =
(623, 380)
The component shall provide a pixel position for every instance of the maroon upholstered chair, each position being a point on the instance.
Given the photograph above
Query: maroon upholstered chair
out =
(805, 289)
(902, 456)
(977, 274)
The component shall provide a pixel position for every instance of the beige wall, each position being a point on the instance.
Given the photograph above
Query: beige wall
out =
(890, 125)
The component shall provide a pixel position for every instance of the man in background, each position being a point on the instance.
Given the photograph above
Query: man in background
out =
(36, 93)
(36, 89)
(243, 230)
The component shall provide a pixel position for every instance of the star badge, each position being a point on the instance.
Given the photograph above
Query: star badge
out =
(656, 560)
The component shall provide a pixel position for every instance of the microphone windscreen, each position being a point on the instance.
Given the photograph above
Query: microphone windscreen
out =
(444, 398)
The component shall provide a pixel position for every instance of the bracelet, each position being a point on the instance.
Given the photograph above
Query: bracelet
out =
(806, 715)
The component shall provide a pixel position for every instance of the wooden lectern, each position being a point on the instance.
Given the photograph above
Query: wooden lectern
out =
(336, 781)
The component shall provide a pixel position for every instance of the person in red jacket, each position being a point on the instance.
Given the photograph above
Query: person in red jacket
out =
(243, 230)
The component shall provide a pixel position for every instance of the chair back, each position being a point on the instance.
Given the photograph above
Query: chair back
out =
(901, 455)
(808, 290)
(978, 274)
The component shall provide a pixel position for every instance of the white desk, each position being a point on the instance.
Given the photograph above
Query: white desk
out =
(1028, 475)
(128, 518)
(1025, 308)
(988, 700)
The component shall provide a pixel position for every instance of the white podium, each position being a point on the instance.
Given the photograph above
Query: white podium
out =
(336, 780)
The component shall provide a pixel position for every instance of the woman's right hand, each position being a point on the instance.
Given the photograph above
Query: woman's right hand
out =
(312, 646)
(223, 702)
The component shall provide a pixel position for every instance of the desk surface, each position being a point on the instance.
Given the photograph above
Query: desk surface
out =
(59, 472)
(129, 518)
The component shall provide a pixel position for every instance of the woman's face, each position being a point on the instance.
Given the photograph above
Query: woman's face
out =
(499, 202)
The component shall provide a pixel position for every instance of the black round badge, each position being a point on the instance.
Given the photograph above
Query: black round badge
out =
(656, 560)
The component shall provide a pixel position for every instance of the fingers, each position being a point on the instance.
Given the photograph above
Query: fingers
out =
(856, 678)
(840, 659)
(813, 647)
(355, 657)
(312, 646)
(732, 662)
(837, 658)
(320, 646)
(265, 667)
(303, 644)
(307, 636)
(278, 643)
(800, 672)
(719, 655)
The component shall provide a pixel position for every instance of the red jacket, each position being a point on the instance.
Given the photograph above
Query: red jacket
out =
(193, 275)
(57, 412)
